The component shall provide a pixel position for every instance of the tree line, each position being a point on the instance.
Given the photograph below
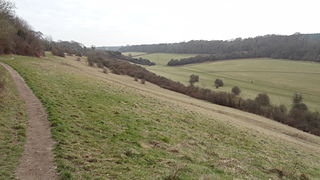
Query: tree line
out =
(61, 48)
(16, 36)
(206, 58)
(295, 47)
(298, 116)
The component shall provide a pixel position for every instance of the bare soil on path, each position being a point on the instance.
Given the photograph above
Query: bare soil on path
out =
(37, 160)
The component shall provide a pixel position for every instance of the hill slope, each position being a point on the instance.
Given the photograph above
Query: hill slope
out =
(296, 46)
(278, 78)
(110, 126)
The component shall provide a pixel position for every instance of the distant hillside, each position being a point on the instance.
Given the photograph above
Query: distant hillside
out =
(109, 48)
(295, 47)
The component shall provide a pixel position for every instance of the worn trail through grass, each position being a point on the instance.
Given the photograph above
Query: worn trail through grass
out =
(37, 159)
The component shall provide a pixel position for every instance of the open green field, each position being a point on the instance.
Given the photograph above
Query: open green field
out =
(110, 127)
(134, 54)
(12, 126)
(159, 58)
(280, 79)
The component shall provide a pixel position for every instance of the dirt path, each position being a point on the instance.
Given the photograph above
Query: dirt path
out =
(37, 160)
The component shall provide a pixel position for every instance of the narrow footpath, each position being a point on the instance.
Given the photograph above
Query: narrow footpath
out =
(36, 162)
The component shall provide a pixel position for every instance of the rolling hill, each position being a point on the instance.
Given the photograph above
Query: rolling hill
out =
(278, 78)
(109, 126)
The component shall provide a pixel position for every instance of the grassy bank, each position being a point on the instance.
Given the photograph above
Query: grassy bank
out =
(12, 126)
(108, 131)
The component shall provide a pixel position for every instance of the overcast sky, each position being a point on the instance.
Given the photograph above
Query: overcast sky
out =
(122, 22)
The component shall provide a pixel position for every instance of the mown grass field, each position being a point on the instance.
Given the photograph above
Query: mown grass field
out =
(280, 79)
(106, 130)
(12, 126)
(159, 58)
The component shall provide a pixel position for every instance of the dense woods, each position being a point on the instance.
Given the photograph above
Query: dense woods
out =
(16, 36)
(294, 47)
(299, 116)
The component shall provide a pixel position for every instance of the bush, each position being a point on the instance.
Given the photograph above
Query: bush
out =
(105, 70)
(236, 90)
(58, 52)
(218, 83)
(143, 81)
(193, 79)
(263, 99)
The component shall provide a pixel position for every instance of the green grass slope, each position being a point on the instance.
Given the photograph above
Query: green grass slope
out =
(107, 130)
(12, 126)
(160, 58)
(279, 78)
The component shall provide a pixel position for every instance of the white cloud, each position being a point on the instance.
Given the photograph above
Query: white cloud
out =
(121, 22)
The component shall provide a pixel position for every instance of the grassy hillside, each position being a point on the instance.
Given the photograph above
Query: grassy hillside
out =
(279, 78)
(12, 126)
(110, 127)
(159, 58)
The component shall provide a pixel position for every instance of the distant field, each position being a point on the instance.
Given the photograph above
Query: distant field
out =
(279, 78)
(134, 54)
(160, 58)
(108, 126)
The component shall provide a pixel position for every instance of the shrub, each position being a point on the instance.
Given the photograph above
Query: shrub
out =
(58, 52)
(263, 99)
(143, 81)
(218, 83)
(193, 79)
(236, 90)
(105, 70)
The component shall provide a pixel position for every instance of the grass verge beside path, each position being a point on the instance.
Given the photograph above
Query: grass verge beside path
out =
(12, 126)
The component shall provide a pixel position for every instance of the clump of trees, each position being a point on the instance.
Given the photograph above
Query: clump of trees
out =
(218, 83)
(16, 36)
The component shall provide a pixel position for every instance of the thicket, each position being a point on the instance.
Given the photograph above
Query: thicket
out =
(16, 36)
(299, 116)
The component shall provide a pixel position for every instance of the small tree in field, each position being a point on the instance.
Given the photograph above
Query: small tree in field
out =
(143, 81)
(218, 83)
(263, 99)
(298, 108)
(135, 78)
(193, 79)
(236, 90)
